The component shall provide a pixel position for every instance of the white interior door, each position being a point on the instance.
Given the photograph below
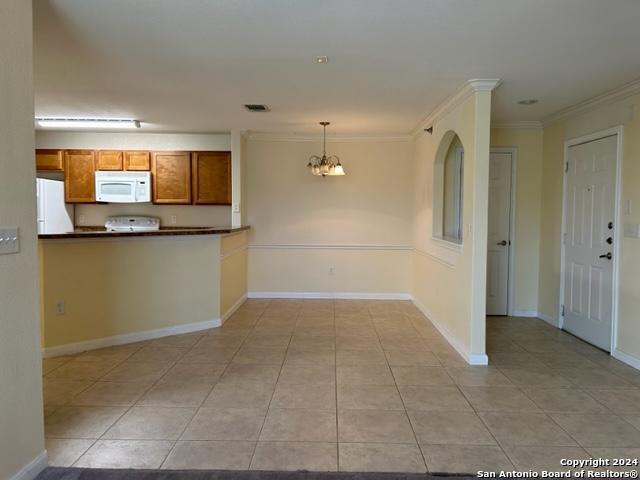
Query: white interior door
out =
(588, 240)
(498, 244)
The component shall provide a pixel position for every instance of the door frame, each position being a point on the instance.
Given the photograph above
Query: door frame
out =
(512, 226)
(617, 239)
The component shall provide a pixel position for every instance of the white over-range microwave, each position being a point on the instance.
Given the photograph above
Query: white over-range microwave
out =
(123, 187)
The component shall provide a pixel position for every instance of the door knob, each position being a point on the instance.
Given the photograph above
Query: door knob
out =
(606, 255)
(503, 243)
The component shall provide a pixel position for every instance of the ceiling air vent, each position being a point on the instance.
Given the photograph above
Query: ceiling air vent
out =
(256, 107)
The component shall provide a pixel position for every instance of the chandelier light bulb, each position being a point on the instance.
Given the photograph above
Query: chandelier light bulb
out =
(325, 165)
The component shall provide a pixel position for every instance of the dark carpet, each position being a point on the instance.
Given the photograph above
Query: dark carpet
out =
(55, 473)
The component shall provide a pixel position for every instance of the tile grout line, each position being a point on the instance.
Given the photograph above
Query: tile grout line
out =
(500, 444)
(252, 331)
(179, 437)
(151, 386)
(574, 386)
(175, 442)
(415, 436)
(266, 413)
(130, 407)
(299, 315)
(96, 440)
(486, 426)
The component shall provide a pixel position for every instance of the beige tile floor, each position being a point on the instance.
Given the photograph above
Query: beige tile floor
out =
(340, 385)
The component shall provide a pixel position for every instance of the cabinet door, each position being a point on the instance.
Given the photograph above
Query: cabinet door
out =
(137, 161)
(109, 160)
(171, 173)
(79, 181)
(50, 160)
(211, 176)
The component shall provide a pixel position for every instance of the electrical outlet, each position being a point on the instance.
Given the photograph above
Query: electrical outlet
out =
(332, 270)
(236, 208)
(173, 219)
(81, 219)
(60, 307)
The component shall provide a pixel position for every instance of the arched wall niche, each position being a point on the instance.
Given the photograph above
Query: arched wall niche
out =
(448, 181)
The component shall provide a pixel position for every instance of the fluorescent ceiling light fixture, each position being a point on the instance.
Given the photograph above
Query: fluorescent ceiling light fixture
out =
(108, 123)
(322, 59)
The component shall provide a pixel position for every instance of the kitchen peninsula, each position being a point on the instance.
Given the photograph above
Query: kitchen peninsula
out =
(101, 232)
(104, 288)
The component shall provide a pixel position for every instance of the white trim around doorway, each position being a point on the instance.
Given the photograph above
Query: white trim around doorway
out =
(619, 132)
(512, 227)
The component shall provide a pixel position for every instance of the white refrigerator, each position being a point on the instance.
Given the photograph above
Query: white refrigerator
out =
(54, 216)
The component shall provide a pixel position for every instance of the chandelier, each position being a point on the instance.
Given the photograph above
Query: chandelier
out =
(323, 166)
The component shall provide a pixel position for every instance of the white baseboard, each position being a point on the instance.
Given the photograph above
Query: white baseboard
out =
(549, 319)
(525, 313)
(477, 359)
(471, 358)
(78, 347)
(233, 309)
(33, 468)
(332, 295)
(626, 358)
(618, 354)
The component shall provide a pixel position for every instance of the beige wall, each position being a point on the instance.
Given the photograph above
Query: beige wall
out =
(186, 215)
(528, 183)
(448, 281)
(119, 286)
(305, 270)
(628, 338)
(233, 272)
(21, 430)
(303, 226)
(551, 222)
(623, 113)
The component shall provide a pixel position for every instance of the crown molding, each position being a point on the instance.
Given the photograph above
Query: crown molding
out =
(289, 137)
(518, 125)
(620, 93)
(484, 84)
(470, 87)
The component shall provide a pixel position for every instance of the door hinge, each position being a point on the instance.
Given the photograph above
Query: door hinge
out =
(566, 167)
(562, 311)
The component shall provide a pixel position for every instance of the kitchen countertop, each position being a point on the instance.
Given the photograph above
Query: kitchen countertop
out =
(101, 232)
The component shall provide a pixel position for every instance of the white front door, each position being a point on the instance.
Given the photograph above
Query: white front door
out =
(588, 240)
(498, 244)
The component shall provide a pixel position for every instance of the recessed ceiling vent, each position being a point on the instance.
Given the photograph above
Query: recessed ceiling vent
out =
(254, 107)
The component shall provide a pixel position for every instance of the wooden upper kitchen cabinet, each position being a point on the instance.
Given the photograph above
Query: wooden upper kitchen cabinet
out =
(211, 178)
(79, 176)
(171, 172)
(109, 160)
(50, 160)
(137, 160)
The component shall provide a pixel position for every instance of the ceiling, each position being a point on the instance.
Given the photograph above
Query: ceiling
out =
(190, 65)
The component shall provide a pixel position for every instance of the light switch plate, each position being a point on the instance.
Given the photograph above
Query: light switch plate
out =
(9, 240)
